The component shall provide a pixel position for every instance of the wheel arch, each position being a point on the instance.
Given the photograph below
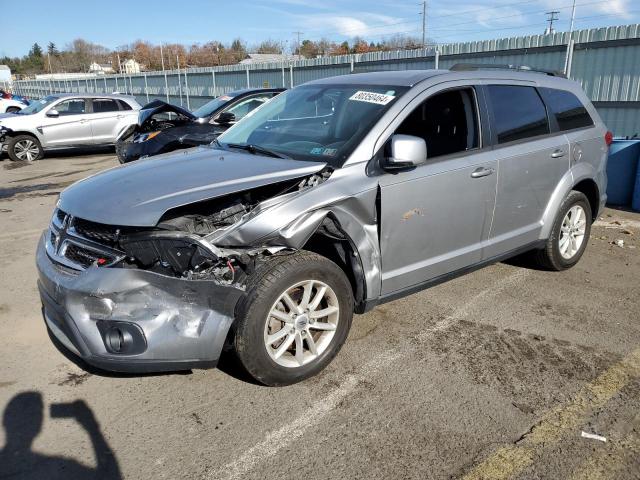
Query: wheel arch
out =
(17, 133)
(590, 189)
(580, 177)
(331, 241)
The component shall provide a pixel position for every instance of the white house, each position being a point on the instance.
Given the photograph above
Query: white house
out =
(130, 66)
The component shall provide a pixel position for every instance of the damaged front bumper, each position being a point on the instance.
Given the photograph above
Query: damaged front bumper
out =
(130, 320)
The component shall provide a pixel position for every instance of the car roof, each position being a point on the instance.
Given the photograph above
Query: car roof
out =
(409, 78)
(119, 96)
(404, 78)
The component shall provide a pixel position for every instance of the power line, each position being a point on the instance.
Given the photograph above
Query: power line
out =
(532, 25)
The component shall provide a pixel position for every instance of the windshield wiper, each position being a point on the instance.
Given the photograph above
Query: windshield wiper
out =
(255, 149)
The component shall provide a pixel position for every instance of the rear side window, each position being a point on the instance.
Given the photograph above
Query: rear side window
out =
(124, 105)
(569, 111)
(519, 112)
(101, 105)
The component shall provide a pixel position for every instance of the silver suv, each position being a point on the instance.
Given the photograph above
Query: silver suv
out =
(337, 196)
(66, 120)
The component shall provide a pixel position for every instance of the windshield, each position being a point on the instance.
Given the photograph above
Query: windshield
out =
(322, 123)
(208, 108)
(38, 105)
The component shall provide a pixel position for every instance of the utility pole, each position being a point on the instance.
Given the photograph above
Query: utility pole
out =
(424, 23)
(553, 17)
(298, 44)
(573, 17)
(568, 59)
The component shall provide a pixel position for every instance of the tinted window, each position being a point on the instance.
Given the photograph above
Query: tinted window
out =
(101, 105)
(124, 105)
(447, 122)
(568, 110)
(70, 107)
(518, 112)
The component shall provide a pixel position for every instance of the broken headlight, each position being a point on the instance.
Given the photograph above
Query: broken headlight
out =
(179, 254)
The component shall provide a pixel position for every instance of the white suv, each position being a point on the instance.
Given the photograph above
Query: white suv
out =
(66, 120)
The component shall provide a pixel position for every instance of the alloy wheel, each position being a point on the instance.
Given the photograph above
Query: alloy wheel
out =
(301, 323)
(26, 150)
(572, 232)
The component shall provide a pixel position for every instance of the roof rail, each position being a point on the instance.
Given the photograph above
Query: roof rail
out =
(466, 67)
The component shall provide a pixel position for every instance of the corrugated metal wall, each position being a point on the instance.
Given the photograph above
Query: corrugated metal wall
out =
(606, 61)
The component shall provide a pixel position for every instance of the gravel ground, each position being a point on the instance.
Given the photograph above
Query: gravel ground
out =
(493, 375)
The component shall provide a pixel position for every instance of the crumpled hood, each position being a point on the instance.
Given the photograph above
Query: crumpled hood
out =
(158, 106)
(141, 192)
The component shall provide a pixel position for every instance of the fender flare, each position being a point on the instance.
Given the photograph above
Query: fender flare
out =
(576, 174)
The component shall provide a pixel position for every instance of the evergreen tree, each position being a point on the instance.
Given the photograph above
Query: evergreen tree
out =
(36, 51)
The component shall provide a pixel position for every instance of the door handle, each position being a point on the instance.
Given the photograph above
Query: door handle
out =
(482, 172)
(558, 154)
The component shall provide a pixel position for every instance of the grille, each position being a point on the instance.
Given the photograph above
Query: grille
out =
(84, 256)
(105, 234)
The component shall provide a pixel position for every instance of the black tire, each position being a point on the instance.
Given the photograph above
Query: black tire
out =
(120, 149)
(13, 110)
(17, 141)
(264, 288)
(550, 257)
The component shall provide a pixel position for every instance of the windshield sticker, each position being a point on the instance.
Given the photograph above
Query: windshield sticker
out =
(372, 97)
(330, 152)
(327, 152)
(224, 98)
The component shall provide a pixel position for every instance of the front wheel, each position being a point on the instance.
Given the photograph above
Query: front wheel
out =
(13, 110)
(569, 234)
(24, 148)
(294, 319)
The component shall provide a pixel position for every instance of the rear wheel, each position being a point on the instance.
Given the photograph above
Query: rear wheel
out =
(24, 148)
(569, 234)
(13, 110)
(296, 316)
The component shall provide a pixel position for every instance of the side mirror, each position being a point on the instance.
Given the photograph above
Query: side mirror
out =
(407, 152)
(53, 113)
(225, 118)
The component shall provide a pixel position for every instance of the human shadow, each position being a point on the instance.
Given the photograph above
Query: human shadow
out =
(22, 422)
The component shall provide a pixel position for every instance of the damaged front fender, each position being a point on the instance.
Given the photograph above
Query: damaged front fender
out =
(349, 201)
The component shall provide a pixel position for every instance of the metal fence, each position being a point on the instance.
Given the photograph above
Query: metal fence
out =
(606, 61)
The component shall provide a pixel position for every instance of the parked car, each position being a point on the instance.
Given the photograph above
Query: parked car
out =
(163, 127)
(336, 196)
(10, 105)
(66, 120)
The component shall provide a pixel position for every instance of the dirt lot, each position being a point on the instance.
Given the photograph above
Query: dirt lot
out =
(492, 375)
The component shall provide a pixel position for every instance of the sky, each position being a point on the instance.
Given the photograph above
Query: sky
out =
(113, 23)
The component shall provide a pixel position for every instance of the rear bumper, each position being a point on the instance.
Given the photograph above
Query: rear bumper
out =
(160, 323)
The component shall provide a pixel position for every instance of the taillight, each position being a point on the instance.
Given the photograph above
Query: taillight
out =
(608, 138)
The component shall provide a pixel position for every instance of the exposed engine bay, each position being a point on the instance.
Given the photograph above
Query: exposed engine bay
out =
(178, 246)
